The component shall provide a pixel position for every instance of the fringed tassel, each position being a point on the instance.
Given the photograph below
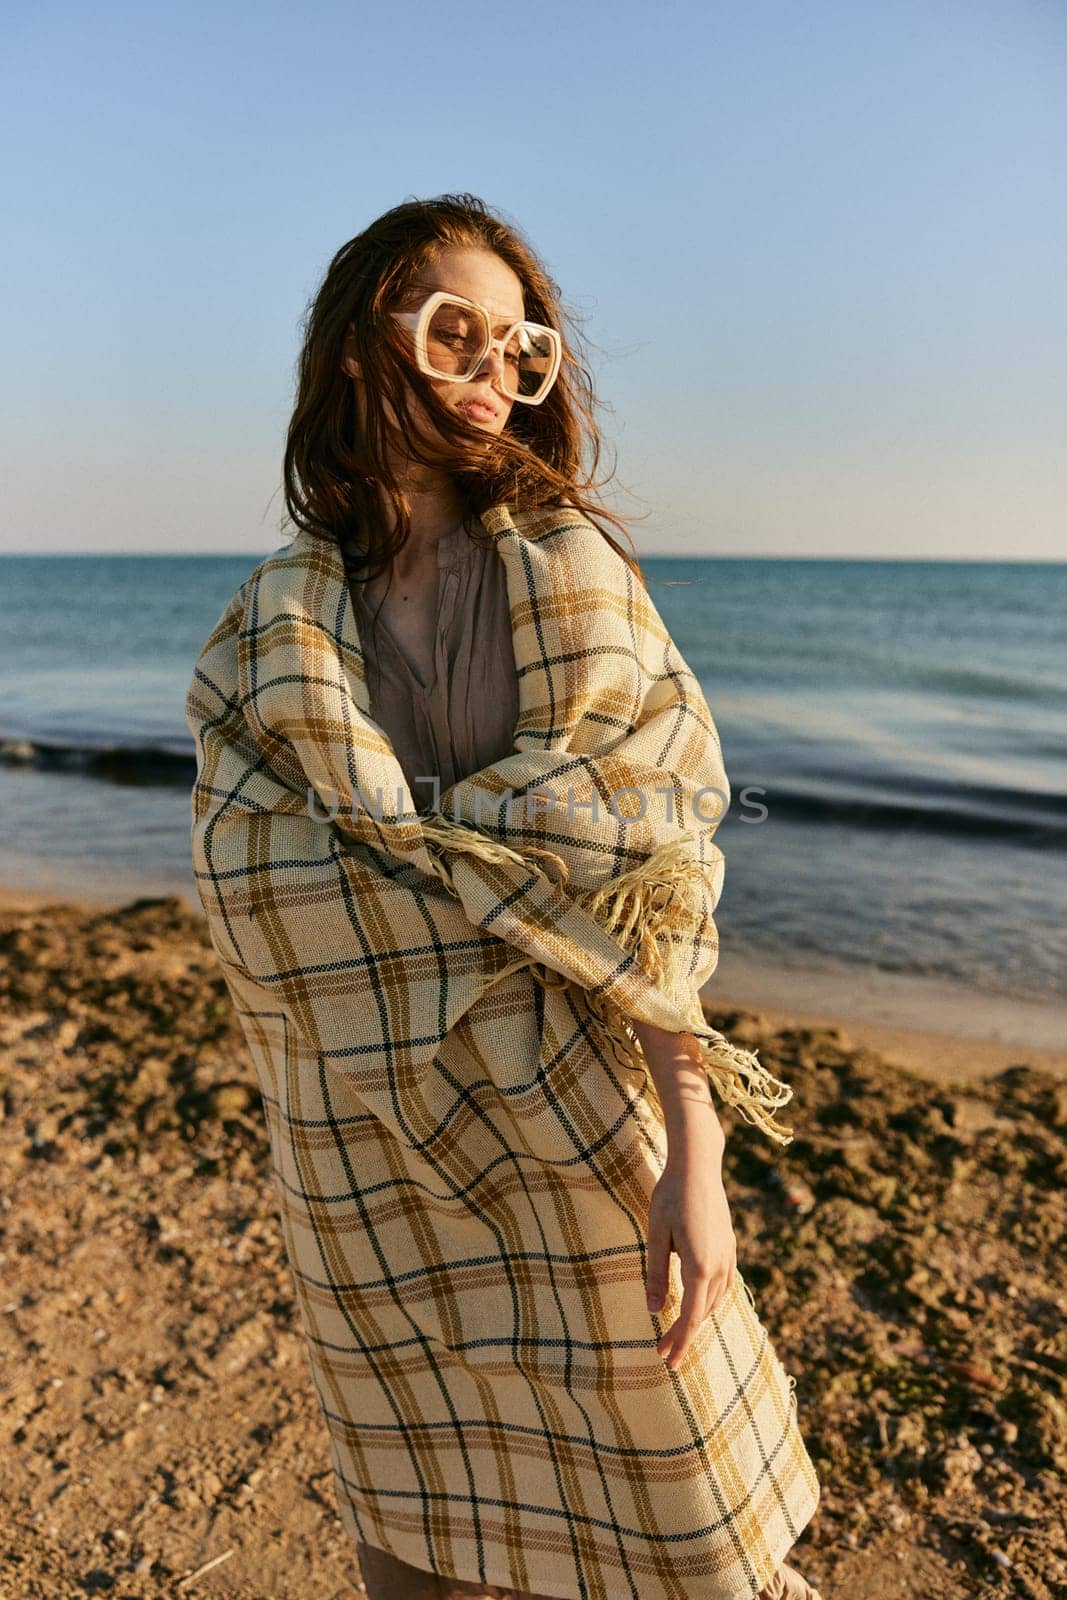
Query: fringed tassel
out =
(647, 905)
(649, 912)
(745, 1083)
(739, 1076)
(647, 909)
(443, 833)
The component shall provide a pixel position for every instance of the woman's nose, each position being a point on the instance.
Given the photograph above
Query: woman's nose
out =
(492, 363)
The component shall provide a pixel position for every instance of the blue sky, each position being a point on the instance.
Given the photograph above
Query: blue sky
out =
(819, 252)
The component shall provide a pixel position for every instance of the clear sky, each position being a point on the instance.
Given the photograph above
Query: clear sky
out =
(819, 251)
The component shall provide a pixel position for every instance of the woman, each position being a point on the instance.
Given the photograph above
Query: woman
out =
(465, 1256)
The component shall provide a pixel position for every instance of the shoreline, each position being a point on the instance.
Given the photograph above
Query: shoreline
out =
(953, 1035)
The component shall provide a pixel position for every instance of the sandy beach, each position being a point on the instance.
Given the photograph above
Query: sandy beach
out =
(160, 1430)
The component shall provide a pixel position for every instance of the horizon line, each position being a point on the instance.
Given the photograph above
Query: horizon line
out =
(644, 555)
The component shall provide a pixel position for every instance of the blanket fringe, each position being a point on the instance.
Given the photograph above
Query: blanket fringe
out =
(649, 912)
(739, 1076)
(445, 833)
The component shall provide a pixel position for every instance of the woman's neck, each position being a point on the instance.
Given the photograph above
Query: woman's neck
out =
(435, 514)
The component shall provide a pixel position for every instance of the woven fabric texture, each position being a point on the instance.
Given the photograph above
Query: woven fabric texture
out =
(464, 1134)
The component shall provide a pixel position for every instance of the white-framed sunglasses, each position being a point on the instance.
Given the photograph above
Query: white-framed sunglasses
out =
(453, 336)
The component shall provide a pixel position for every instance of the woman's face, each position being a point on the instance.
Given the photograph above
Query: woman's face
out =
(480, 276)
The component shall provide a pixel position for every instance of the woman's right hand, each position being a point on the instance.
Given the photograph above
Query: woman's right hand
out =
(690, 1214)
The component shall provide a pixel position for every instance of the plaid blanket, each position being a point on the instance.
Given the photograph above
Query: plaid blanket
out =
(438, 995)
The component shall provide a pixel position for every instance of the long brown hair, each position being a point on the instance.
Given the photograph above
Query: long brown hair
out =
(336, 471)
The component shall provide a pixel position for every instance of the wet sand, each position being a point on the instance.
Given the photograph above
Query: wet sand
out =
(905, 1254)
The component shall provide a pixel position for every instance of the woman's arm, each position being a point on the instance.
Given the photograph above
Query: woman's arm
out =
(689, 1213)
(674, 1060)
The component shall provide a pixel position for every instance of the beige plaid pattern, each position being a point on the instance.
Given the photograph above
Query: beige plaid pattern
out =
(464, 1135)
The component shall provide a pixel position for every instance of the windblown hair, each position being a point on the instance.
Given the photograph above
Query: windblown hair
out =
(336, 471)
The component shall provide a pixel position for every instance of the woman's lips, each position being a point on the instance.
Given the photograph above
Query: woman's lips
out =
(478, 410)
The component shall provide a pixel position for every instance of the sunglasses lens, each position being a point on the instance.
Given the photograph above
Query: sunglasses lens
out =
(457, 339)
(528, 361)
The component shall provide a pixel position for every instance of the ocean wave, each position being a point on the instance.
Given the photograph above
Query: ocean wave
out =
(948, 678)
(1019, 816)
(905, 801)
(118, 762)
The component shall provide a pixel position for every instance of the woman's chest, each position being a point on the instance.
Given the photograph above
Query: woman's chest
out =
(410, 611)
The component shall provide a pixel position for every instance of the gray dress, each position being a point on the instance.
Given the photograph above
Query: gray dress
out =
(464, 718)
